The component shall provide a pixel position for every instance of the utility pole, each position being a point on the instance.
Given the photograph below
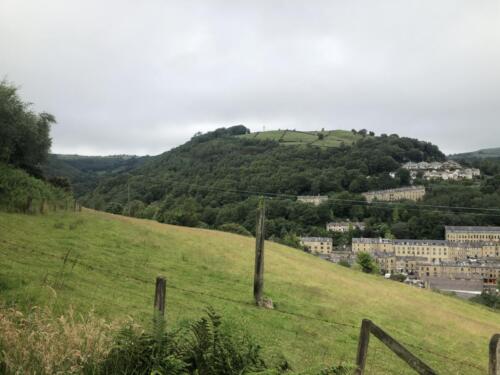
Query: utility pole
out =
(258, 283)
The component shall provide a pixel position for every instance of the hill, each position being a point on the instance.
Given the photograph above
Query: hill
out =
(107, 262)
(85, 172)
(480, 154)
(213, 179)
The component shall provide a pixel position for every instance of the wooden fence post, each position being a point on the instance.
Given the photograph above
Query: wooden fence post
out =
(160, 293)
(258, 282)
(403, 353)
(367, 327)
(364, 339)
(494, 362)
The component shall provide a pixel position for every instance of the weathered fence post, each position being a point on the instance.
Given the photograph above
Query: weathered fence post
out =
(367, 327)
(258, 282)
(494, 362)
(160, 293)
(364, 339)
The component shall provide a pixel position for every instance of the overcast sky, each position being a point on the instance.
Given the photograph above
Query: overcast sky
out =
(141, 77)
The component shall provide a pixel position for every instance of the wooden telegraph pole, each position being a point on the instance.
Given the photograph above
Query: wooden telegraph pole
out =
(258, 282)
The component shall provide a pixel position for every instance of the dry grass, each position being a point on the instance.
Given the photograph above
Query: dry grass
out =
(37, 343)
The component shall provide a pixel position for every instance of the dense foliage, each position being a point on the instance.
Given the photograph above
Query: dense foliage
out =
(206, 348)
(20, 192)
(215, 178)
(24, 135)
(85, 172)
(24, 147)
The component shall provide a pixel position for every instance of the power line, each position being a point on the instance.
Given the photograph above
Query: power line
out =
(419, 207)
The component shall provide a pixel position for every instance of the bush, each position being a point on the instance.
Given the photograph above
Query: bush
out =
(344, 263)
(20, 192)
(367, 263)
(206, 348)
(398, 277)
(488, 299)
(235, 228)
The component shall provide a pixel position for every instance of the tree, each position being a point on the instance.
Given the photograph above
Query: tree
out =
(367, 263)
(404, 176)
(24, 135)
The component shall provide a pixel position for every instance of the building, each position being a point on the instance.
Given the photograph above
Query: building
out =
(487, 271)
(312, 199)
(413, 193)
(472, 234)
(428, 250)
(317, 245)
(344, 226)
(448, 170)
(372, 245)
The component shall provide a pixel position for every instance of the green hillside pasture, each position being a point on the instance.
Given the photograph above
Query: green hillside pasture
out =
(331, 138)
(109, 263)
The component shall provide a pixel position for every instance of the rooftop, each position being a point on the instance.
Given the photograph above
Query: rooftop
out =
(397, 190)
(471, 229)
(316, 239)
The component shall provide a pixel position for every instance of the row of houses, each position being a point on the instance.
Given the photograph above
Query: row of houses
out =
(466, 261)
(448, 170)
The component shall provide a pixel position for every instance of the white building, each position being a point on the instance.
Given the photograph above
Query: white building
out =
(448, 170)
(344, 226)
(313, 199)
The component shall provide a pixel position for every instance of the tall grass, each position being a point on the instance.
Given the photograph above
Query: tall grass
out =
(37, 343)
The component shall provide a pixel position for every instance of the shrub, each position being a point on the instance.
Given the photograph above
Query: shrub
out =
(344, 263)
(488, 299)
(235, 228)
(20, 192)
(367, 263)
(398, 277)
(206, 348)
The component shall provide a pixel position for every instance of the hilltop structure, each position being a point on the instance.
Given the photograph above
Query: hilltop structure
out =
(344, 226)
(448, 170)
(413, 193)
(313, 199)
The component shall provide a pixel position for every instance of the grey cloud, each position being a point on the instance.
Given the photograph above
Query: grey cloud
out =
(142, 77)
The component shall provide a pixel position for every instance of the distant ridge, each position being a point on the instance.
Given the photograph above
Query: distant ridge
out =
(480, 154)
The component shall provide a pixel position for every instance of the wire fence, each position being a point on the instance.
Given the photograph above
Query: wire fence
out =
(147, 298)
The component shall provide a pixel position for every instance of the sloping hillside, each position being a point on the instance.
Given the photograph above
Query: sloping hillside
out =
(93, 259)
(209, 181)
(85, 172)
(480, 154)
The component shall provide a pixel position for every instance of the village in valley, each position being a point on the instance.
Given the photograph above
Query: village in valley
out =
(466, 262)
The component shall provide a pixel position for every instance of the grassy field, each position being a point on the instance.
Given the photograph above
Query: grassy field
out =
(331, 138)
(109, 263)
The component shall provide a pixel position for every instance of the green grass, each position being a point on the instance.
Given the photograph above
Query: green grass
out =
(112, 261)
(331, 138)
